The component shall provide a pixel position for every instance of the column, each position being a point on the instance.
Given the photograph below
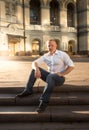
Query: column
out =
(2, 10)
(19, 12)
(63, 17)
(45, 15)
(27, 13)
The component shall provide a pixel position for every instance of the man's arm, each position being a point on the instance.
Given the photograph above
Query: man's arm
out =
(69, 63)
(35, 66)
(37, 70)
(66, 71)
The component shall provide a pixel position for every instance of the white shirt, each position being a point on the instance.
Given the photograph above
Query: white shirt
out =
(56, 62)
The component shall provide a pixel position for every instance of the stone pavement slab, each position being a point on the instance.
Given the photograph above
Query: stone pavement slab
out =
(16, 72)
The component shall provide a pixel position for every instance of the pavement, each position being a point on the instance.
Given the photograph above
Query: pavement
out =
(14, 71)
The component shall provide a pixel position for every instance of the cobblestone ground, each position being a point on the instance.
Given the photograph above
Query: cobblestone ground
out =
(18, 71)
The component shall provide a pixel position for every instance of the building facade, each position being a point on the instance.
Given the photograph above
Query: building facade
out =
(27, 25)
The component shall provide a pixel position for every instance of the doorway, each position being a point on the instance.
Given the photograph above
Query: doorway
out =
(35, 47)
(11, 49)
(71, 47)
(13, 44)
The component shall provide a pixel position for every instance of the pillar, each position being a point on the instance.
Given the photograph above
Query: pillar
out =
(19, 12)
(45, 15)
(2, 10)
(63, 17)
(27, 13)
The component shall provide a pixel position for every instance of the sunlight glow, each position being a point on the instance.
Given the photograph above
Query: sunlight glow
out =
(3, 48)
(81, 112)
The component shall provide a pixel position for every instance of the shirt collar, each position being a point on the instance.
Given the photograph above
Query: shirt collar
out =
(56, 52)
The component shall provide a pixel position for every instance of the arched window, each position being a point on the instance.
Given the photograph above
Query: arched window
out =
(35, 12)
(70, 15)
(54, 9)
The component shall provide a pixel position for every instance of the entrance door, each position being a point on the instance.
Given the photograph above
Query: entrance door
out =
(13, 44)
(11, 49)
(71, 47)
(35, 47)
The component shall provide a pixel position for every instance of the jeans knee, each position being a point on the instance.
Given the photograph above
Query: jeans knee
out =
(50, 76)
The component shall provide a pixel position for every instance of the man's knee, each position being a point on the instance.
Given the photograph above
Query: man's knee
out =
(50, 76)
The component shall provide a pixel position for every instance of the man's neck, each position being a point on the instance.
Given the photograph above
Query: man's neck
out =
(51, 53)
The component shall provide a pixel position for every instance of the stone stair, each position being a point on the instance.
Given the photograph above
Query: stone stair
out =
(68, 109)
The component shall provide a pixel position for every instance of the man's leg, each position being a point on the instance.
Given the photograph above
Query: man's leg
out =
(44, 74)
(52, 80)
(29, 86)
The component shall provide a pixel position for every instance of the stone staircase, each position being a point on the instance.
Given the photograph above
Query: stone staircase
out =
(68, 109)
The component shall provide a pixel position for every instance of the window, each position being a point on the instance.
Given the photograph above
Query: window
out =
(35, 12)
(10, 11)
(70, 15)
(54, 11)
(7, 8)
(10, 8)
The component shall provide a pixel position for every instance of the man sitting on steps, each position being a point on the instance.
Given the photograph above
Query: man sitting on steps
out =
(59, 64)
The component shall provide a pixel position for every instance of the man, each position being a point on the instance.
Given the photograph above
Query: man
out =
(59, 64)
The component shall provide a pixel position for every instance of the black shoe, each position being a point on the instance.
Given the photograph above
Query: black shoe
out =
(24, 93)
(41, 108)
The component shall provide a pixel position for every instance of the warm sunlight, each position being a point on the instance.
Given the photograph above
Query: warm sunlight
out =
(81, 112)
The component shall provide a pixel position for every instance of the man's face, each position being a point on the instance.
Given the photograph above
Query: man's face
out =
(52, 46)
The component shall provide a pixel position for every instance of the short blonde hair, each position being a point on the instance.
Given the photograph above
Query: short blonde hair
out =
(55, 40)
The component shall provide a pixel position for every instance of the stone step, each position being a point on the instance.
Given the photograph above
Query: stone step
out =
(64, 88)
(57, 99)
(45, 126)
(64, 113)
(72, 98)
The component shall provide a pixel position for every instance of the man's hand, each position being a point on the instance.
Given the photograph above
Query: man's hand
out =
(59, 74)
(37, 73)
(37, 70)
(68, 70)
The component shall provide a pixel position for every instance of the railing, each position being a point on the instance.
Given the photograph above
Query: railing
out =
(39, 27)
(52, 28)
(8, 19)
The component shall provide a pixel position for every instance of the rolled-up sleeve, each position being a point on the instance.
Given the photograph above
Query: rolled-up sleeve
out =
(68, 61)
(39, 61)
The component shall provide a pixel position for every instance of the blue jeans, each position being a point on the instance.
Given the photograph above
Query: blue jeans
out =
(52, 80)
